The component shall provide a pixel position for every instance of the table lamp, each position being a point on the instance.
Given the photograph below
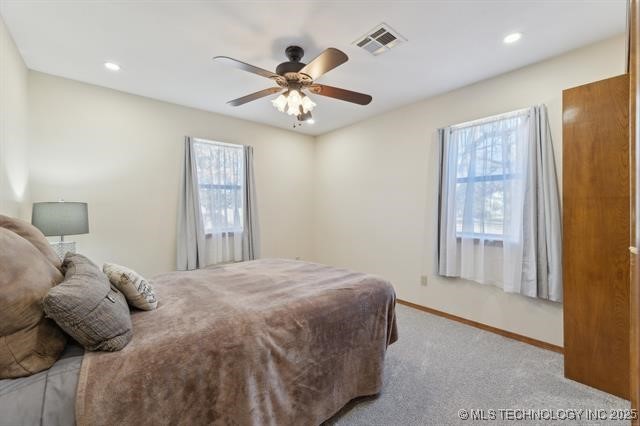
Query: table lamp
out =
(60, 219)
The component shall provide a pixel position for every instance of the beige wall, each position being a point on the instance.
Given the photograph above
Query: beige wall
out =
(14, 171)
(361, 196)
(375, 188)
(122, 154)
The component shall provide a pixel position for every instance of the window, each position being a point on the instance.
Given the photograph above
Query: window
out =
(498, 205)
(220, 169)
(485, 158)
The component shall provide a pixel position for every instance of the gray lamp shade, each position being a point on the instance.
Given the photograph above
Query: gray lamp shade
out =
(60, 218)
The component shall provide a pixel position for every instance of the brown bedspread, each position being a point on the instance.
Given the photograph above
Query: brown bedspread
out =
(267, 342)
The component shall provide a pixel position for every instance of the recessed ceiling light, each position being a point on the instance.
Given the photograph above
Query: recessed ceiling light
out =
(111, 66)
(512, 38)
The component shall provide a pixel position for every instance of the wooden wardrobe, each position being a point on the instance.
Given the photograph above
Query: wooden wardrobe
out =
(596, 234)
(633, 66)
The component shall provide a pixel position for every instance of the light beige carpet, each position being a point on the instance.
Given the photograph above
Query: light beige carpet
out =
(439, 367)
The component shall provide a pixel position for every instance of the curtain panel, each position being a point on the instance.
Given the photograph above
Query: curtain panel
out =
(190, 250)
(251, 234)
(498, 204)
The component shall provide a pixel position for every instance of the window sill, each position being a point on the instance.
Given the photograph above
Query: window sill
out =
(487, 242)
(210, 235)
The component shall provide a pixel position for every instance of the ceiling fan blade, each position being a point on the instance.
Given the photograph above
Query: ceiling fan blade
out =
(342, 94)
(324, 62)
(245, 67)
(254, 96)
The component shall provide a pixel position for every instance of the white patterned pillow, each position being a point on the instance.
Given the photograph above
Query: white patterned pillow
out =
(138, 291)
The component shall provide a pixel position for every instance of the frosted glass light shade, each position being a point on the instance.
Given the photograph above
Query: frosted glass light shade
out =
(280, 103)
(293, 102)
(307, 104)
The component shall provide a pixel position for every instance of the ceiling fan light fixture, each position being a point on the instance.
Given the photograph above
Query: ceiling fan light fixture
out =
(294, 102)
(280, 103)
(307, 104)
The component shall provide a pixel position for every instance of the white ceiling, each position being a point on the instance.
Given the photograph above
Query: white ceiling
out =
(165, 47)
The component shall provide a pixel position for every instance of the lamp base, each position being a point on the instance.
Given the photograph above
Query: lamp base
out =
(63, 247)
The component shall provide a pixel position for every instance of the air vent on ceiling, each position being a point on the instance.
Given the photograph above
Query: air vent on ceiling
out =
(380, 39)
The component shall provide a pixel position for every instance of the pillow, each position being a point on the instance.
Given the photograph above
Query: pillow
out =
(33, 235)
(88, 308)
(28, 342)
(138, 291)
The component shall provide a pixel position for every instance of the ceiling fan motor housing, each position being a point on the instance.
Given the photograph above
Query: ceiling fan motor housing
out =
(294, 53)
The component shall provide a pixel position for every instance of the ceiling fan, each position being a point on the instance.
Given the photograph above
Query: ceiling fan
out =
(295, 77)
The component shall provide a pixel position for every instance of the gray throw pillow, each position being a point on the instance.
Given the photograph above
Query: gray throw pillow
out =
(88, 308)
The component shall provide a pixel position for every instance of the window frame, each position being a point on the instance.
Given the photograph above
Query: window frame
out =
(478, 237)
(209, 186)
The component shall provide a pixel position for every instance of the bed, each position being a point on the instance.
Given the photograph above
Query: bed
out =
(266, 342)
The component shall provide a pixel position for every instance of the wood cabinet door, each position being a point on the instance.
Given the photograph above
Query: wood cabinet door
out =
(596, 225)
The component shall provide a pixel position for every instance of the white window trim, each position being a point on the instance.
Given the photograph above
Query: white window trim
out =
(489, 119)
(214, 142)
(229, 232)
(494, 238)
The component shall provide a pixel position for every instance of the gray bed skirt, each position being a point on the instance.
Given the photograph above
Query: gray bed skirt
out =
(46, 398)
